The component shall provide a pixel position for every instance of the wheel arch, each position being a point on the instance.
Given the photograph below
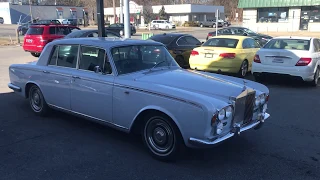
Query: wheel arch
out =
(139, 118)
(28, 86)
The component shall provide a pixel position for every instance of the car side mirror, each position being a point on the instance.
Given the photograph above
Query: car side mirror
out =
(202, 42)
(245, 34)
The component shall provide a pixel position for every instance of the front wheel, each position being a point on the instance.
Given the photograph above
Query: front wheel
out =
(121, 33)
(214, 25)
(161, 137)
(37, 102)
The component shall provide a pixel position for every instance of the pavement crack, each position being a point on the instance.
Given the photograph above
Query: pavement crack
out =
(27, 139)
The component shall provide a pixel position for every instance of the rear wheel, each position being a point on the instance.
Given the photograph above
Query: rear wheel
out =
(37, 102)
(316, 78)
(214, 25)
(162, 137)
(35, 54)
(201, 25)
(121, 33)
(243, 69)
(180, 60)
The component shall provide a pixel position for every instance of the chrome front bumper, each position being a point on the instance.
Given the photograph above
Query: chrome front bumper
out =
(237, 131)
(14, 87)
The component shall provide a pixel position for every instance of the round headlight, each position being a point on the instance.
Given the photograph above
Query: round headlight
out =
(257, 102)
(219, 128)
(222, 114)
(262, 98)
(265, 107)
(229, 111)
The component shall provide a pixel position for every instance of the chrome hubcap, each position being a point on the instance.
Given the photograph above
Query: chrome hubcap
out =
(159, 136)
(36, 102)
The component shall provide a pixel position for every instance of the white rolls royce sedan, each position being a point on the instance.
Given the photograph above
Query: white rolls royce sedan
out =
(290, 56)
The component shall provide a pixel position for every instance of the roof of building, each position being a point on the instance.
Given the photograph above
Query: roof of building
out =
(276, 3)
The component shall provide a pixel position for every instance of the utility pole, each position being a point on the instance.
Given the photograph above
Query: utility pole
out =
(114, 11)
(121, 11)
(127, 28)
(30, 7)
(217, 21)
(100, 18)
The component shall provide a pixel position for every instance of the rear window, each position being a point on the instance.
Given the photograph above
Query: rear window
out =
(35, 31)
(163, 39)
(222, 42)
(291, 44)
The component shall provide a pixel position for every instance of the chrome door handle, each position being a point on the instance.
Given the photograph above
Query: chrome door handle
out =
(45, 71)
(76, 77)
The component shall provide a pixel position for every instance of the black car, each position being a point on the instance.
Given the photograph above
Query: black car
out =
(262, 39)
(119, 28)
(179, 46)
(89, 33)
(23, 28)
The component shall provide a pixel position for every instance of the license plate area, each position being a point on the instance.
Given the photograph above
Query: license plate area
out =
(29, 40)
(277, 60)
(208, 55)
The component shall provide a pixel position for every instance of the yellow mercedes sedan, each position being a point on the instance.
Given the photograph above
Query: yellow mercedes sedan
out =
(226, 54)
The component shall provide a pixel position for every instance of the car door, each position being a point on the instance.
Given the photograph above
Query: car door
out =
(114, 28)
(186, 44)
(57, 75)
(92, 84)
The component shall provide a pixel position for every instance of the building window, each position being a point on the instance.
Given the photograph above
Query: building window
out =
(272, 15)
(311, 13)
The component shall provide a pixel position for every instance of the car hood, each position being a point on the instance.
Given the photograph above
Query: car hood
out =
(206, 85)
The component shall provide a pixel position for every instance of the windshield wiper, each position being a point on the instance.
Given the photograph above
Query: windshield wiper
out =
(156, 65)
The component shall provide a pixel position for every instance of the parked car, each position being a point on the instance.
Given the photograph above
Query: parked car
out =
(23, 28)
(162, 24)
(289, 56)
(1, 20)
(136, 86)
(179, 46)
(38, 36)
(119, 28)
(227, 54)
(90, 33)
(210, 23)
(262, 39)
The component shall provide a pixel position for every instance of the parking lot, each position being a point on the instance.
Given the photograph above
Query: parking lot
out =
(67, 147)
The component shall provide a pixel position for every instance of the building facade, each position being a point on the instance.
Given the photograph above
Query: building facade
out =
(176, 13)
(15, 13)
(281, 15)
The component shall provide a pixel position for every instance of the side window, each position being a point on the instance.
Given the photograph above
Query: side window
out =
(182, 42)
(251, 43)
(52, 30)
(67, 56)
(94, 34)
(54, 55)
(316, 45)
(192, 41)
(92, 57)
(245, 44)
(256, 44)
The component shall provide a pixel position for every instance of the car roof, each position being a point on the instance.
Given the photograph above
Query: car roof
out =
(104, 42)
(51, 25)
(293, 37)
(230, 36)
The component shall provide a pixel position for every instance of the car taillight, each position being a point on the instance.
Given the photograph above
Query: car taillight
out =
(256, 59)
(304, 61)
(194, 53)
(228, 55)
(209, 34)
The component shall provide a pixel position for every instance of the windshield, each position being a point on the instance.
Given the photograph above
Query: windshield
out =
(291, 44)
(221, 42)
(129, 59)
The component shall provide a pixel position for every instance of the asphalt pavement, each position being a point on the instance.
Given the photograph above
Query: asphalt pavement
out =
(65, 147)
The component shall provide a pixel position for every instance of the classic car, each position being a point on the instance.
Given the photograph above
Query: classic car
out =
(136, 86)
(179, 46)
(226, 54)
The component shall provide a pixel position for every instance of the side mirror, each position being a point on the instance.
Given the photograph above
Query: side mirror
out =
(245, 34)
(97, 69)
(202, 42)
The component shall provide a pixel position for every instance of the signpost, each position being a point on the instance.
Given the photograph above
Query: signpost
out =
(217, 21)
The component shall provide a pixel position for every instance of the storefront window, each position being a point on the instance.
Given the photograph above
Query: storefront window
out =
(272, 15)
(314, 14)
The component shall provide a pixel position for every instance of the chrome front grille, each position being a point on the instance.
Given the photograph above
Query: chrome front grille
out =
(244, 107)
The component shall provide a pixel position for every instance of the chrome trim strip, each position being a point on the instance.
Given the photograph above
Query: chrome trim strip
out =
(159, 94)
(95, 80)
(287, 57)
(14, 87)
(91, 117)
(227, 136)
